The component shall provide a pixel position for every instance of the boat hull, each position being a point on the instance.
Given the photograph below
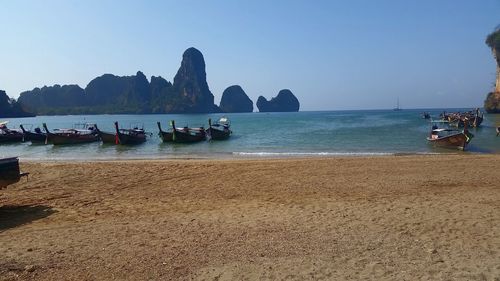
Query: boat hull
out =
(215, 134)
(61, 139)
(107, 137)
(188, 137)
(10, 138)
(458, 141)
(131, 138)
(35, 137)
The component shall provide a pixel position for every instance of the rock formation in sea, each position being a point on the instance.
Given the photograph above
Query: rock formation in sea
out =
(285, 101)
(10, 108)
(492, 102)
(127, 94)
(53, 99)
(234, 99)
(130, 94)
(190, 89)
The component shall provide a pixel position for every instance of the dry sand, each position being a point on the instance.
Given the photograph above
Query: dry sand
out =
(383, 218)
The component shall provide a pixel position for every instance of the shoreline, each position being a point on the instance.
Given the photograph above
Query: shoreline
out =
(256, 156)
(390, 217)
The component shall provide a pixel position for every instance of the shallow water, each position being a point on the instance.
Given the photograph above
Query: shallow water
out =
(326, 133)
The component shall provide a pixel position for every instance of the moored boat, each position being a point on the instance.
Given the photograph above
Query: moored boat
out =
(219, 130)
(187, 135)
(166, 136)
(35, 136)
(87, 134)
(135, 135)
(9, 135)
(107, 137)
(451, 138)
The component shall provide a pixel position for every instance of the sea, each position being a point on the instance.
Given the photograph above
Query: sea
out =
(262, 135)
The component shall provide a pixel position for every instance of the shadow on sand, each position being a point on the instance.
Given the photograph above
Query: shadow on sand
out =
(14, 216)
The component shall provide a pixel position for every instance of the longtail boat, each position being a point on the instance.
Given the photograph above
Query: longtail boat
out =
(182, 135)
(9, 171)
(450, 137)
(9, 135)
(187, 135)
(35, 136)
(166, 136)
(219, 130)
(135, 135)
(457, 119)
(89, 133)
(107, 137)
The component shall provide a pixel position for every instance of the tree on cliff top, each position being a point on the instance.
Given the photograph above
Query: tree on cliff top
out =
(493, 40)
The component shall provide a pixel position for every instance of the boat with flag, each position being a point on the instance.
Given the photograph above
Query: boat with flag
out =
(135, 135)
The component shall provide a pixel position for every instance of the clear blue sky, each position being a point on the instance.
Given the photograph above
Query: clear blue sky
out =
(331, 54)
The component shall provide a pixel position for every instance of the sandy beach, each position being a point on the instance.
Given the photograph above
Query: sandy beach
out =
(431, 217)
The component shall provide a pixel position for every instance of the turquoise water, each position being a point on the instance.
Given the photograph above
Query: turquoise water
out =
(328, 133)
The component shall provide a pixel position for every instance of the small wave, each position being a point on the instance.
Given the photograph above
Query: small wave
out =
(313, 153)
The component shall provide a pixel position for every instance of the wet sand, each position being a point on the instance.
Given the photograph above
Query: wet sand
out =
(391, 218)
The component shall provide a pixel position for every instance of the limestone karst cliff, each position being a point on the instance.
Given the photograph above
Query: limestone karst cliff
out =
(492, 102)
(234, 99)
(285, 101)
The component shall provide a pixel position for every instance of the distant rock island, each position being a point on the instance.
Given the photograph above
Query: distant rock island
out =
(111, 94)
(285, 101)
(492, 102)
(234, 99)
(9, 108)
(129, 94)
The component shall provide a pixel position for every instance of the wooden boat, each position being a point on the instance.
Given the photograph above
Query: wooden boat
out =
(72, 136)
(450, 137)
(220, 130)
(107, 137)
(123, 136)
(457, 119)
(182, 135)
(187, 135)
(36, 135)
(9, 135)
(166, 136)
(9, 171)
(426, 115)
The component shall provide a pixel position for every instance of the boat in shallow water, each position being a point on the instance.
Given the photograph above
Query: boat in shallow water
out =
(35, 136)
(135, 135)
(220, 130)
(9, 135)
(88, 133)
(182, 135)
(450, 138)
